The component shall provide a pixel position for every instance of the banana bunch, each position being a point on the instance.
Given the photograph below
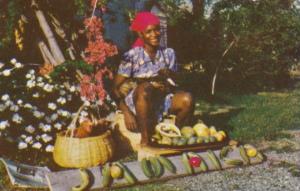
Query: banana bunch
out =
(153, 167)
(84, 181)
(18, 34)
(168, 130)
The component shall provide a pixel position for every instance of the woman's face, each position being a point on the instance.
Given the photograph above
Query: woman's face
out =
(151, 35)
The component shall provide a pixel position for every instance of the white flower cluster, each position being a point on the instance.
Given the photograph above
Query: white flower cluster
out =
(35, 106)
(7, 72)
(61, 100)
(4, 125)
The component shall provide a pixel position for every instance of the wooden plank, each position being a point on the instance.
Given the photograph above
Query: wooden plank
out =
(147, 151)
(64, 180)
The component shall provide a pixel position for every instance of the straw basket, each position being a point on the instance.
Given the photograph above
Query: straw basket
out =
(86, 152)
(73, 152)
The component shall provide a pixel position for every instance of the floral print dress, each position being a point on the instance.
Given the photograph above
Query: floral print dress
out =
(136, 63)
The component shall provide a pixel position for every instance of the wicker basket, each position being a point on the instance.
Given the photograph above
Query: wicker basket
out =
(73, 152)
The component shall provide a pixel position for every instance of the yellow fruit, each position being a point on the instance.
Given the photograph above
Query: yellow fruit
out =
(201, 130)
(212, 130)
(248, 146)
(166, 140)
(219, 136)
(116, 171)
(223, 133)
(252, 152)
(187, 132)
(168, 130)
(204, 133)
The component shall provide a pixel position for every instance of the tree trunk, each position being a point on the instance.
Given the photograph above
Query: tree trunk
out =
(55, 50)
(47, 56)
(61, 33)
(198, 7)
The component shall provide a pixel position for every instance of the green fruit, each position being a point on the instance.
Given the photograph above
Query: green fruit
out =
(244, 155)
(192, 140)
(200, 140)
(187, 132)
(233, 162)
(224, 151)
(166, 140)
(215, 161)
(167, 164)
(106, 178)
(203, 166)
(128, 175)
(157, 136)
(260, 156)
(186, 163)
(156, 166)
(182, 141)
(206, 140)
(212, 139)
(175, 141)
(146, 168)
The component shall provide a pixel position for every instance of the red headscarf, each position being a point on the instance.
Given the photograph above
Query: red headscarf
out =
(141, 21)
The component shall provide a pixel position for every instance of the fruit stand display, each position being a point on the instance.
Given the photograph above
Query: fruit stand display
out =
(173, 153)
(154, 168)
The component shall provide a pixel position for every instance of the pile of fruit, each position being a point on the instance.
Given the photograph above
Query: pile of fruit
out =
(194, 163)
(167, 133)
(154, 167)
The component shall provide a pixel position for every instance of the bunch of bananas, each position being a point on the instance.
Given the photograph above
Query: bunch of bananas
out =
(18, 34)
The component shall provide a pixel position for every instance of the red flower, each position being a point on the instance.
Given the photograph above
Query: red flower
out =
(195, 161)
(97, 50)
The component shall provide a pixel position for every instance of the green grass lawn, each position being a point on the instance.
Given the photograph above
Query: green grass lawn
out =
(247, 118)
(255, 117)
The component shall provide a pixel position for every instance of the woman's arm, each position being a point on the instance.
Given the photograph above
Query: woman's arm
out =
(130, 121)
(118, 81)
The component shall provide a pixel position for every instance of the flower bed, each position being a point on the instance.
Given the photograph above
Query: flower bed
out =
(37, 102)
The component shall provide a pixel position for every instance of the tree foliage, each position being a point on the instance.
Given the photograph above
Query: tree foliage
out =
(265, 35)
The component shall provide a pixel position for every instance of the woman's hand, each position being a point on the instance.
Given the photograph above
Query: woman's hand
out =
(165, 73)
(130, 121)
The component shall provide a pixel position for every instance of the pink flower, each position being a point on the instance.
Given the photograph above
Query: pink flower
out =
(92, 87)
(97, 50)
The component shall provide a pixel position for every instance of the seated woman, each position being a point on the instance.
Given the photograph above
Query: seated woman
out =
(152, 67)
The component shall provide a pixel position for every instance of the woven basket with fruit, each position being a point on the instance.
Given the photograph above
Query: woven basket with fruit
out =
(90, 144)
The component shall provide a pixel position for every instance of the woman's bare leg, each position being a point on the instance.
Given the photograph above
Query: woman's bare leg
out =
(144, 98)
(183, 107)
